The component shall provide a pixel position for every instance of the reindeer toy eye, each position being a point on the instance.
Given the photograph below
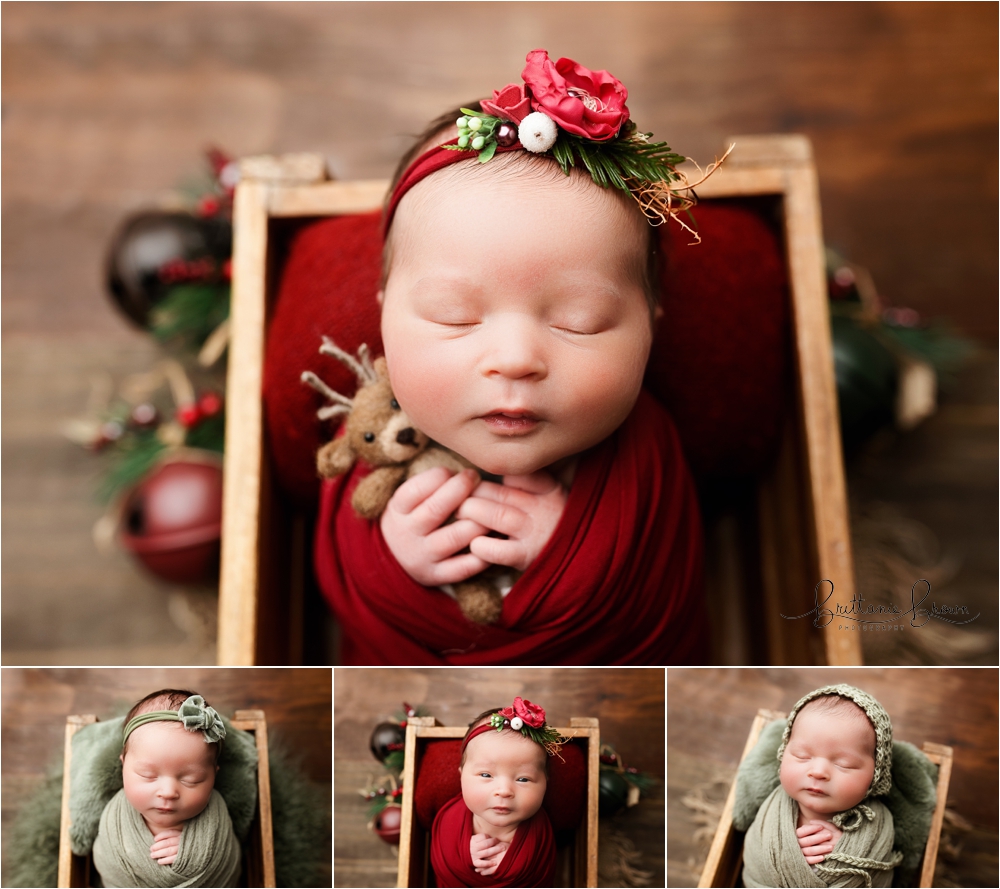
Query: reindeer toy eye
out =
(394, 404)
(369, 437)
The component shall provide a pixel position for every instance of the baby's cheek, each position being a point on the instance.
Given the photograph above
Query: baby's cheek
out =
(785, 775)
(426, 390)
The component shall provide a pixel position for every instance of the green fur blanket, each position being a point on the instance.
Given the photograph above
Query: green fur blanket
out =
(911, 799)
(300, 812)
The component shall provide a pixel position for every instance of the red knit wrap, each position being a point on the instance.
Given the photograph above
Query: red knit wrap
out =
(530, 859)
(619, 582)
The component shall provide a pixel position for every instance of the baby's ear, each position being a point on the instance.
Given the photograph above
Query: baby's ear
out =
(380, 295)
(121, 758)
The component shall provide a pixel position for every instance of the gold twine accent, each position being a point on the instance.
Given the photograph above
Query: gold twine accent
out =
(662, 200)
(216, 343)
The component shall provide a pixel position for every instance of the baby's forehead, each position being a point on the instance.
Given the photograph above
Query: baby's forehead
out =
(846, 716)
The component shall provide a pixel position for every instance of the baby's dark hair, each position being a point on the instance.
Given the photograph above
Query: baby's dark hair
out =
(646, 273)
(164, 699)
(840, 706)
(483, 718)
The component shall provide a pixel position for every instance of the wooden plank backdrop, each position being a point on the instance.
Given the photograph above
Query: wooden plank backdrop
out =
(108, 106)
(36, 702)
(710, 711)
(628, 702)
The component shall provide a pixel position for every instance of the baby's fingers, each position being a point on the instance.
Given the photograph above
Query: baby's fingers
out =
(496, 515)
(512, 553)
(434, 509)
(456, 569)
(451, 538)
(416, 490)
(810, 828)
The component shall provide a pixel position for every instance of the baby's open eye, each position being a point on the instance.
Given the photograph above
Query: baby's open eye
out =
(485, 775)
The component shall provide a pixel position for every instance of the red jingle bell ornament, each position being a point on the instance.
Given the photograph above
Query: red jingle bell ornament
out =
(387, 824)
(172, 520)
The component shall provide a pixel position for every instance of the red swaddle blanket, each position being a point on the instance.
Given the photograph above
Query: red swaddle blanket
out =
(529, 861)
(619, 582)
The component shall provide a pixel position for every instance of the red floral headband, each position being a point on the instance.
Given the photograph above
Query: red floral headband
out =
(523, 717)
(577, 117)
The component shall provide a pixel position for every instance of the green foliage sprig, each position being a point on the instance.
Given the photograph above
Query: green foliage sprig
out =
(618, 162)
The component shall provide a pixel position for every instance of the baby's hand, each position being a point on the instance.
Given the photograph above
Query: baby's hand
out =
(526, 508)
(414, 530)
(817, 839)
(166, 845)
(487, 853)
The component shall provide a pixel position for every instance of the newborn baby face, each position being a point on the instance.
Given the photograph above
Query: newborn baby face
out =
(503, 781)
(829, 762)
(169, 773)
(515, 324)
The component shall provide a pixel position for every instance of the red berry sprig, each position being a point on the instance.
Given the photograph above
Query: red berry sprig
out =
(190, 415)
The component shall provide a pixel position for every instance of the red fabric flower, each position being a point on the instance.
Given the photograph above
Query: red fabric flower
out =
(510, 103)
(532, 714)
(507, 712)
(587, 103)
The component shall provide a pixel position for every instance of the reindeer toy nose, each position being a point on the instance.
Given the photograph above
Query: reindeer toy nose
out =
(406, 436)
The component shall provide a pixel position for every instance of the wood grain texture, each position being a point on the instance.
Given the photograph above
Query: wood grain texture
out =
(241, 507)
(710, 710)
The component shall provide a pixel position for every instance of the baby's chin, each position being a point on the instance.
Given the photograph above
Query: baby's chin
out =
(509, 458)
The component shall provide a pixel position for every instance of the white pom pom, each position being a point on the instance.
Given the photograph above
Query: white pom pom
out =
(517, 723)
(537, 132)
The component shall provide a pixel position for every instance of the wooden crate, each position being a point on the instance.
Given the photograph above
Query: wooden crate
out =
(577, 866)
(798, 515)
(258, 852)
(724, 864)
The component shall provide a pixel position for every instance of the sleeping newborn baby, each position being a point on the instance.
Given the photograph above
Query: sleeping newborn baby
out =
(496, 833)
(168, 826)
(822, 827)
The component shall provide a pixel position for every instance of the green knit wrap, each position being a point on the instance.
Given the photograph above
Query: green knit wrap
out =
(208, 855)
(863, 856)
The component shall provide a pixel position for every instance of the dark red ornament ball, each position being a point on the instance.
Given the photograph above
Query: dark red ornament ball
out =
(387, 824)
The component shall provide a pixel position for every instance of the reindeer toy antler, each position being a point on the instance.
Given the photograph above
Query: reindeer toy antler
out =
(376, 430)
(380, 433)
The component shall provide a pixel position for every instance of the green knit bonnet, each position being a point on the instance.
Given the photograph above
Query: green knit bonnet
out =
(882, 779)
(194, 714)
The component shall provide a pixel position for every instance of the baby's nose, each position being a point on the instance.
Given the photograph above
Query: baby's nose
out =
(515, 354)
(167, 790)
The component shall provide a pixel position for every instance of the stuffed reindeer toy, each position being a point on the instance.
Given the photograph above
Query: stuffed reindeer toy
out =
(379, 433)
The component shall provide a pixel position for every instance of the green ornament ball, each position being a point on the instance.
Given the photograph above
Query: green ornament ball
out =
(613, 792)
